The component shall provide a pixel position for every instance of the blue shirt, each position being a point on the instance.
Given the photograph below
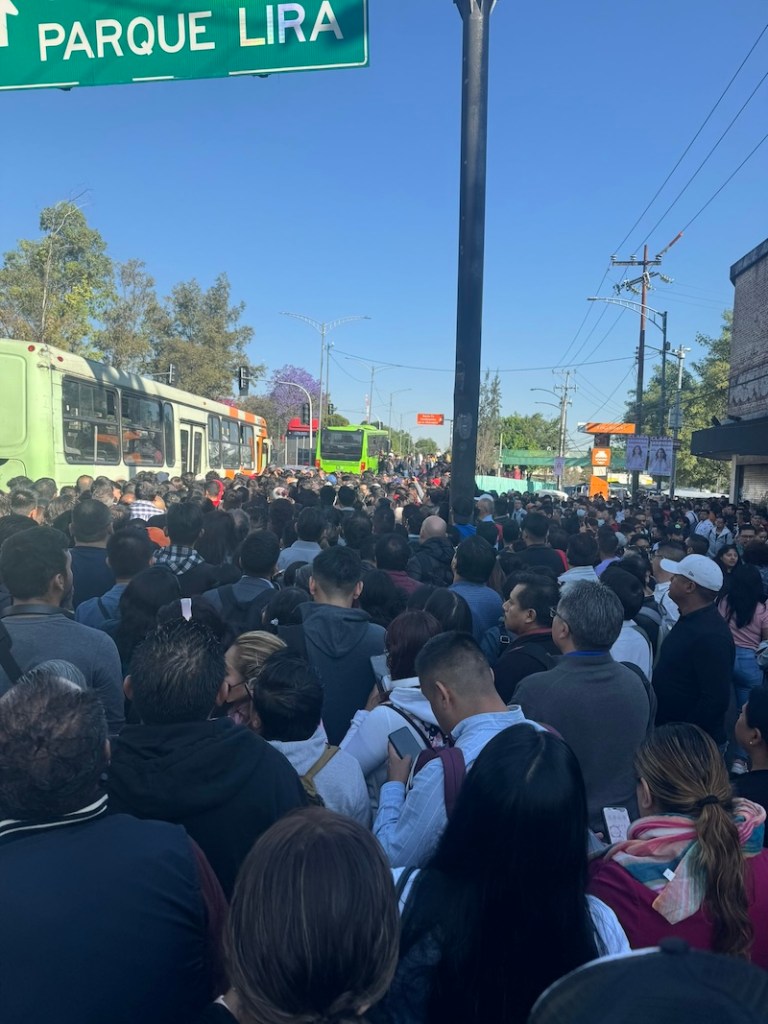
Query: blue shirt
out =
(409, 825)
(89, 612)
(484, 603)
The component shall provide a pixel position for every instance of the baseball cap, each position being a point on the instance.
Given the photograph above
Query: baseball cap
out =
(699, 568)
(672, 984)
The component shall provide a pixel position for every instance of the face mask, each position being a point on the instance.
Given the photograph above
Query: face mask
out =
(601, 522)
(581, 512)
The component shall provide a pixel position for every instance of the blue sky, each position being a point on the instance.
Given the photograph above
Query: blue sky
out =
(336, 193)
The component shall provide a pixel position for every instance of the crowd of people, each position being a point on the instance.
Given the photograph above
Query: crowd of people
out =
(304, 750)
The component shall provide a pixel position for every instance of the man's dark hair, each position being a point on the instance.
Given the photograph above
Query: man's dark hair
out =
(356, 529)
(259, 553)
(539, 592)
(19, 481)
(91, 521)
(176, 673)
(288, 698)
(536, 525)
(346, 496)
(392, 552)
(337, 570)
(45, 488)
(510, 531)
(12, 524)
(699, 545)
(103, 491)
(310, 524)
(24, 501)
(581, 550)
(29, 561)
(184, 522)
(607, 543)
(129, 551)
(456, 660)
(147, 490)
(475, 559)
(626, 587)
(52, 747)
(671, 550)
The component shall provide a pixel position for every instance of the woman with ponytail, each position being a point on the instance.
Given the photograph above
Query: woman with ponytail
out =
(313, 927)
(693, 866)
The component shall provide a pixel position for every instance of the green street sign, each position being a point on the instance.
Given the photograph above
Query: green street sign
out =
(60, 44)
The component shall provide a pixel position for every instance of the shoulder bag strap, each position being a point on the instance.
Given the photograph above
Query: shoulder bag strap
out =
(7, 661)
(411, 721)
(320, 763)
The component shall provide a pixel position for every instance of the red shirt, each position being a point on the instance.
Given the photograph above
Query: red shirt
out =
(632, 901)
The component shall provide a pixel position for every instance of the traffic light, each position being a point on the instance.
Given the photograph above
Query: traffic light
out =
(331, 408)
(243, 380)
(171, 374)
(305, 412)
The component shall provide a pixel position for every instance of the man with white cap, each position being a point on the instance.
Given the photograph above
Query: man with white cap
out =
(694, 674)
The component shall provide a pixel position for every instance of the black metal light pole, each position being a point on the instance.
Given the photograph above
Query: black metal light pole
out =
(475, 15)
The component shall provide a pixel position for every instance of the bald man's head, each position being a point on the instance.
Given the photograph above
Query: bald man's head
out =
(433, 526)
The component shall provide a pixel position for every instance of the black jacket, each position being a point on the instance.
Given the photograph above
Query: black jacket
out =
(528, 653)
(431, 563)
(222, 782)
(694, 674)
(339, 643)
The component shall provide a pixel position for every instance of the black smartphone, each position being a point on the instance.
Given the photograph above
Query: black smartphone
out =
(405, 743)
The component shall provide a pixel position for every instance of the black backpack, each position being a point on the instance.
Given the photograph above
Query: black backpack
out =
(241, 616)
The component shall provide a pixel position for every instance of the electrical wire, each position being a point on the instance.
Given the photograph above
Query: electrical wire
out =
(512, 369)
(701, 127)
(727, 180)
(685, 187)
(619, 385)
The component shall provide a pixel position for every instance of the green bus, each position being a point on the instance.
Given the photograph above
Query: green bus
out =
(352, 449)
(63, 416)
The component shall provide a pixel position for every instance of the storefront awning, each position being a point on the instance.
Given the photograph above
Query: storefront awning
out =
(745, 438)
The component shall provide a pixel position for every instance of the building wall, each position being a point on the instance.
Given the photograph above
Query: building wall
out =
(748, 391)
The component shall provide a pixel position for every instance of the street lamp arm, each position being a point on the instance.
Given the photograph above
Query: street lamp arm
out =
(636, 307)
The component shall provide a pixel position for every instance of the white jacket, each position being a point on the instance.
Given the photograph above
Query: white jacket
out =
(369, 731)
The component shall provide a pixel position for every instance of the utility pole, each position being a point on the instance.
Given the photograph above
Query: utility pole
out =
(476, 17)
(644, 281)
(679, 354)
(561, 392)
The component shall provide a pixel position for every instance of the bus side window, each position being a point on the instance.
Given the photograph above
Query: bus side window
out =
(170, 436)
(214, 442)
(246, 448)
(89, 417)
(230, 445)
(142, 430)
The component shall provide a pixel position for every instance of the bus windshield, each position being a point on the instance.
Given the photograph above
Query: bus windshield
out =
(344, 445)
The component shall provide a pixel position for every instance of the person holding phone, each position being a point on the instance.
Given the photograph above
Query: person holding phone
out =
(458, 682)
(693, 866)
(396, 702)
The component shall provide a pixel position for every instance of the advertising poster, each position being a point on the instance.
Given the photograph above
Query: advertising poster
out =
(660, 456)
(637, 453)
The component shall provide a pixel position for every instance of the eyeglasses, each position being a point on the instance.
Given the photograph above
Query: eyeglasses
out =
(553, 612)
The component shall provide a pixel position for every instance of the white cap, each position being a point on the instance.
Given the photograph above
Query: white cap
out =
(699, 568)
(485, 497)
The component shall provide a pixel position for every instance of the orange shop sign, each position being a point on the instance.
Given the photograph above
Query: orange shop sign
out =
(430, 419)
(601, 457)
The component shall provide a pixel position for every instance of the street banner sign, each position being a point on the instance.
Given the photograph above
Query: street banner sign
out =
(637, 453)
(558, 465)
(602, 428)
(426, 419)
(109, 42)
(660, 456)
(601, 456)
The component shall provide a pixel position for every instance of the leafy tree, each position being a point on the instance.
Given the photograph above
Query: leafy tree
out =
(489, 422)
(704, 394)
(288, 399)
(125, 337)
(336, 420)
(427, 445)
(201, 334)
(52, 289)
(536, 431)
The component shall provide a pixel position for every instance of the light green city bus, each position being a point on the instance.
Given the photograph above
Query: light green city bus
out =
(63, 416)
(352, 449)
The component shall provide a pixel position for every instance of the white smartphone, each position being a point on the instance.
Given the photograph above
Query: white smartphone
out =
(616, 821)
